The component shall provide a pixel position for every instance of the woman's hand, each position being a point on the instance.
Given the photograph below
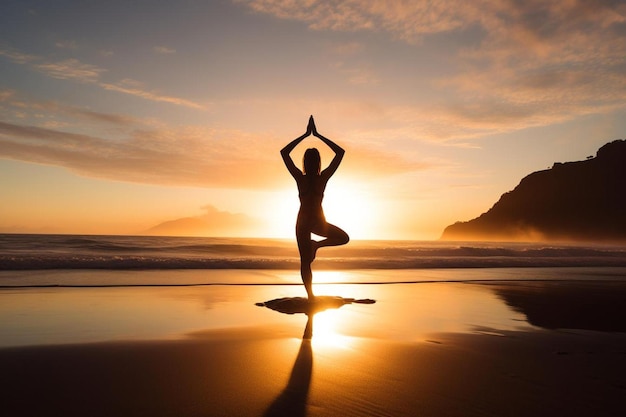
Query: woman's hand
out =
(311, 127)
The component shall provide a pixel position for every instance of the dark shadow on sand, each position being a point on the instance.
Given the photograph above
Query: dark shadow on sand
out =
(292, 400)
(568, 305)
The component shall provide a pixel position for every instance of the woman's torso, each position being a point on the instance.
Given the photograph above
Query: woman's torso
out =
(311, 193)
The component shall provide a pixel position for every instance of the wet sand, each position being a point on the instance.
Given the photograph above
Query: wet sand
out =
(437, 349)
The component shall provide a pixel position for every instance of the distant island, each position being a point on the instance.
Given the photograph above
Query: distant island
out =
(212, 222)
(572, 201)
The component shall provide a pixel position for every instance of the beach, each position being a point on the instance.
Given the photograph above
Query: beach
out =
(508, 347)
(316, 208)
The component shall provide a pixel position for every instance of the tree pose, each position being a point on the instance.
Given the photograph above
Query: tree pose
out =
(311, 185)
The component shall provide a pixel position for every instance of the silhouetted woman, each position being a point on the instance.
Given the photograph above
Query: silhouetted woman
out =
(311, 185)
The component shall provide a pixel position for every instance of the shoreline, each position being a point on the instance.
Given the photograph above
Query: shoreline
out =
(87, 278)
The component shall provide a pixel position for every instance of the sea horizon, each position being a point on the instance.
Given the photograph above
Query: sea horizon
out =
(109, 260)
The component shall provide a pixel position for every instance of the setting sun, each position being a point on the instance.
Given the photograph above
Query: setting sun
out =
(349, 206)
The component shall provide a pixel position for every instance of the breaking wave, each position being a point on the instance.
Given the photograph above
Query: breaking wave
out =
(44, 252)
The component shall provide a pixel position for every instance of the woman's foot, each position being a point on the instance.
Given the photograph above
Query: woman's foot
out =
(314, 248)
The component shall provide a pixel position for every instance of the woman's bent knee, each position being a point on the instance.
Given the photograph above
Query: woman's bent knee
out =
(341, 237)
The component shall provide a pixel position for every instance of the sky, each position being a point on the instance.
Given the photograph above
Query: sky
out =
(120, 116)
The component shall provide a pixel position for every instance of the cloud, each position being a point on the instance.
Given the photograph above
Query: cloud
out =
(6, 95)
(115, 119)
(348, 48)
(164, 50)
(460, 124)
(66, 69)
(17, 57)
(188, 156)
(368, 163)
(124, 148)
(197, 157)
(362, 76)
(151, 95)
(70, 69)
(50, 111)
(405, 19)
(530, 63)
(357, 75)
(511, 21)
(66, 44)
(73, 69)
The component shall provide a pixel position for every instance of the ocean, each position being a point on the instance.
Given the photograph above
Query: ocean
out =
(66, 260)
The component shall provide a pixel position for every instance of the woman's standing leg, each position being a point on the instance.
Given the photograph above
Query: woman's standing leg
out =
(306, 249)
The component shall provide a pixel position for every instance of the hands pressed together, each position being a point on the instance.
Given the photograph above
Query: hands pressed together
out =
(311, 129)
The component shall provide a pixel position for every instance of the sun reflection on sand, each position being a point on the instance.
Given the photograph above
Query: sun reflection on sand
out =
(404, 312)
(327, 333)
(325, 325)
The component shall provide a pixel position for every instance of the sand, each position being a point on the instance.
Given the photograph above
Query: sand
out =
(435, 349)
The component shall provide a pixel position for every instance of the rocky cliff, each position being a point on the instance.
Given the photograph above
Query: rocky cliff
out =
(584, 200)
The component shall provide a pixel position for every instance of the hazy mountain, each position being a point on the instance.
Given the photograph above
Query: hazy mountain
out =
(212, 223)
(583, 200)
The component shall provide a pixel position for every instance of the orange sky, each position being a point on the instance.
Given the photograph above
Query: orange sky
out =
(117, 117)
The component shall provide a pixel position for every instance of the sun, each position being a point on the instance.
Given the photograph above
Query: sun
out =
(350, 206)
(347, 204)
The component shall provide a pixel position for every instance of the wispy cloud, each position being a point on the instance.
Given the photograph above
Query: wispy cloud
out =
(18, 57)
(115, 119)
(49, 111)
(533, 62)
(348, 48)
(68, 44)
(70, 69)
(150, 95)
(164, 50)
(147, 156)
(408, 20)
(6, 95)
(145, 152)
(75, 70)
(357, 74)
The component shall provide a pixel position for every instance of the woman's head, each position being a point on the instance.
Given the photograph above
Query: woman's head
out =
(312, 161)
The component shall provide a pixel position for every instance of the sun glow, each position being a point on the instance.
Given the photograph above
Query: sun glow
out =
(351, 207)
(326, 333)
(346, 204)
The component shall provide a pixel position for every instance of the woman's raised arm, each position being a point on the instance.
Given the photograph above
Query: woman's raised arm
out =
(339, 152)
(286, 151)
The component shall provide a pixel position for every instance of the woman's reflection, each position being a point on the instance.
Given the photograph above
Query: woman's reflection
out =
(293, 399)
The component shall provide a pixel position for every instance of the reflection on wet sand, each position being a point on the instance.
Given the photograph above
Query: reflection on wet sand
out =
(301, 305)
(293, 399)
(568, 305)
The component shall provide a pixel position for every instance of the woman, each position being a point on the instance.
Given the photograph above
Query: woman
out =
(311, 185)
